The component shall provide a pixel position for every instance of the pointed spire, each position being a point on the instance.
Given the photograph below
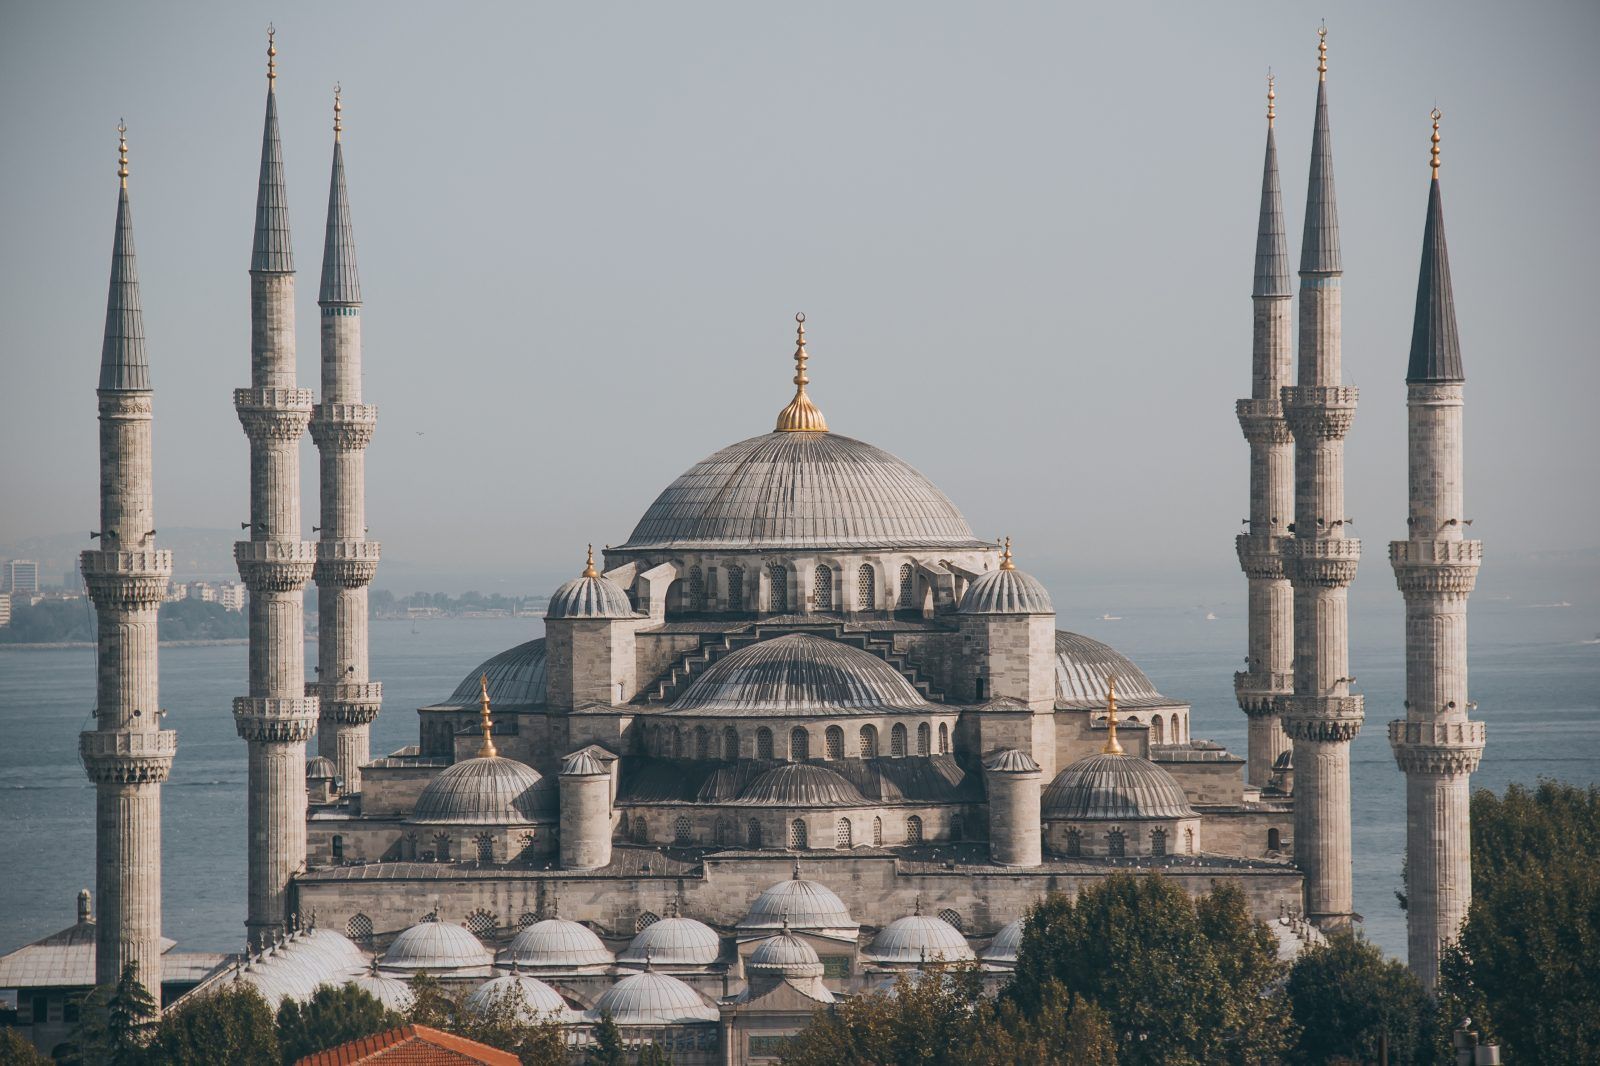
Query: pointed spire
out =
(1435, 347)
(270, 254)
(341, 284)
(487, 749)
(1112, 745)
(123, 367)
(1272, 250)
(801, 416)
(1319, 246)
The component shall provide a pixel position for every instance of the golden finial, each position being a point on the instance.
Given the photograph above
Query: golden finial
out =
(1436, 115)
(122, 150)
(1005, 557)
(1272, 97)
(487, 750)
(801, 416)
(272, 56)
(588, 568)
(1112, 746)
(1322, 52)
(338, 127)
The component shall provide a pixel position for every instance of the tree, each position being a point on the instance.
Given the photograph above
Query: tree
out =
(653, 1054)
(332, 1016)
(430, 1004)
(231, 1025)
(115, 1021)
(608, 1048)
(16, 1050)
(1346, 998)
(1527, 965)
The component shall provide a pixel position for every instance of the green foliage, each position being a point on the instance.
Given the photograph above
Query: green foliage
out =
(49, 622)
(1527, 965)
(114, 1022)
(16, 1050)
(500, 1024)
(331, 1017)
(1345, 996)
(653, 1055)
(431, 1004)
(232, 1025)
(199, 620)
(607, 1048)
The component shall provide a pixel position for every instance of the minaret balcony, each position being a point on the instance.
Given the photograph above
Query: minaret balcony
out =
(284, 719)
(125, 757)
(348, 702)
(1319, 412)
(150, 562)
(350, 564)
(1262, 421)
(343, 426)
(1261, 556)
(1437, 747)
(275, 565)
(1259, 694)
(270, 413)
(126, 580)
(1449, 567)
(1327, 562)
(1329, 719)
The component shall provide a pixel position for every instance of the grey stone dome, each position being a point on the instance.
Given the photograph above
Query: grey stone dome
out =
(797, 491)
(799, 904)
(538, 1001)
(555, 944)
(784, 955)
(392, 992)
(436, 947)
(1006, 592)
(1115, 788)
(1005, 945)
(917, 938)
(674, 942)
(516, 676)
(590, 597)
(652, 998)
(488, 790)
(582, 763)
(1084, 665)
(320, 769)
(800, 674)
(801, 785)
(1012, 761)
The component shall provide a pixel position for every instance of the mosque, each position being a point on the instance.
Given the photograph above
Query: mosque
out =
(800, 734)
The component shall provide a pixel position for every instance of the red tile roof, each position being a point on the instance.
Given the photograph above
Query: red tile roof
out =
(411, 1045)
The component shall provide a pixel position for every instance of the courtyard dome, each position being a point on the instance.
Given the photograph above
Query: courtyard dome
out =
(538, 1001)
(436, 947)
(801, 490)
(918, 938)
(557, 944)
(488, 790)
(590, 595)
(674, 942)
(800, 674)
(392, 992)
(1084, 666)
(516, 676)
(784, 955)
(1006, 590)
(1113, 788)
(1005, 945)
(652, 998)
(801, 785)
(799, 904)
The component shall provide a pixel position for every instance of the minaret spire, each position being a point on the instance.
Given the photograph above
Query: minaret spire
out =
(1435, 346)
(1319, 246)
(801, 416)
(270, 251)
(122, 357)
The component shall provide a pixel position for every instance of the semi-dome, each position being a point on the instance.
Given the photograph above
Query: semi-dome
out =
(799, 904)
(673, 942)
(1005, 945)
(1084, 666)
(436, 947)
(784, 955)
(516, 676)
(800, 674)
(797, 491)
(488, 790)
(801, 785)
(590, 595)
(1006, 590)
(535, 1001)
(556, 944)
(1114, 788)
(918, 938)
(652, 998)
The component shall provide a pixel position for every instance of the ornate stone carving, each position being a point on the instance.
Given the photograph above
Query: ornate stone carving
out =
(1319, 412)
(126, 580)
(275, 565)
(129, 405)
(343, 426)
(273, 414)
(276, 718)
(1261, 557)
(123, 757)
(350, 564)
(1322, 718)
(1262, 421)
(1443, 566)
(1260, 693)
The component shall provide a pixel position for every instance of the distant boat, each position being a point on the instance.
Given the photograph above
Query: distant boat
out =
(1111, 618)
(1211, 616)
(1596, 639)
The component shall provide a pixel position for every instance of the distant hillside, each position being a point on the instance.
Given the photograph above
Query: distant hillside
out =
(197, 554)
(72, 622)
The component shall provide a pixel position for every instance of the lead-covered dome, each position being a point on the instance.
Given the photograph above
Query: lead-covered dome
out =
(673, 942)
(800, 674)
(488, 790)
(436, 947)
(801, 490)
(784, 955)
(556, 944)
(590, 597)
(1084, 665)
(516, 676)
(918, 938)
(533, 1000)
(652, 998)
(1006, 591)
(1115, 788)
(392, 992)
(1003, 949)
(801, 785)
(800, 904)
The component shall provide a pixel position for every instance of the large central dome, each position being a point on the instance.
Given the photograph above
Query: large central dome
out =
(801, 490)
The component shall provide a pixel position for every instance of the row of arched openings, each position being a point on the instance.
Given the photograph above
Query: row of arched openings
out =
(726, 834)
(1117, 842)
(703, 588)
(708, 744)
(1159, 728)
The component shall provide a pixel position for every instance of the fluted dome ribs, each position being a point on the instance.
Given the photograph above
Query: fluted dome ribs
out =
(1435, 346)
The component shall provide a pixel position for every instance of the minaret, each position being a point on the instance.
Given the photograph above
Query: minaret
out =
(342, 426)
(1436, 745)
(1321, 717)
(1266, 677)
(127, 755)
(277, 717)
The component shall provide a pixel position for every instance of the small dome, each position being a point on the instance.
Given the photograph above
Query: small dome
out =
(674, 942)
(801, 785)
(808, 905)
(320, 769)
(590, 597)
(436, 947)
(484, 791)
(784, 955)
(800, 674)
(1006, 591)
(1012, 761)
(582, 764)
(918, 938)
(538, 1001)
(652, 998)
(1084, 665)
(1005, 945)
(557, 944)
(516, 676)
(1114, 788)
(392, 992)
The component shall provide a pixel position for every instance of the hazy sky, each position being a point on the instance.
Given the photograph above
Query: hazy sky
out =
(1023, 236)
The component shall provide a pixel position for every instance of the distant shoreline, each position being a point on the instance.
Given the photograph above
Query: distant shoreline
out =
(65, 644)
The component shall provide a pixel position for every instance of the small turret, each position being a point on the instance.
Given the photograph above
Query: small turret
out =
(1015, 828)
(585, 812)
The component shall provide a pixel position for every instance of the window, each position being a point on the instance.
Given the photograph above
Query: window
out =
(71, 1010)
(526, 919)
(1074, 843)
(953, 918)
(702, 743)
(730, 743)
(944, 739)
(752, 834)
(908, 591)
(1116, 844)
(480, 923)
(877, 832)
(1274, 839)
(956, 827)
(338, 848)
(841, 836)
(897, 741)
(711, 586)
(644, 920)
(797, 834)
(359, 929)
(431, 916)
(1188, 841)
(866, 588)
(763, 743)
(1157, 731)
(622, 826)
(485, 844)
(869, 742)
(697, 589)
(922, 738)
(735, 588)
(1158, 841)
(977, 688)
(441, 847)
(913, 830)
(833, 739)
(822, 589)
(799, 745)
(1177, 738)
(778, 600)
(682, 833)
(677, 743)
(724, 833)
(641, 832)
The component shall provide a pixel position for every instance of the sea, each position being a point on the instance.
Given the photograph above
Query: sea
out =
(1535, 674)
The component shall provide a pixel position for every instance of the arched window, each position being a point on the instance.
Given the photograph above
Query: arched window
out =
(526, 919)
(697, 589)
(1158, 841)
(841, 836)
(1188, 841)
(834, 740)
(711, 587)
(897, 741)
(952, 917)
(431, 916)
(359, 929)
(1074, 843)
(822, 589)
(682, 833)
(763, 743)
(641, 831)
(913, 830)
(752, 834)
(957, 827)
(1116, 844)
(877, 832)
(702, 742)
(730, 743)
(526, 854)
(977, 688)
(724, 833)
(441, 847)
(1274, 839)
(644, 920)
(799, 745)
(485, 844)
(338, 848)
(1177, 737)
(735, 588)
(866, 588)
(778, 600)
(922, 738)
(1158, 731)
(480, 923)
(622, 826)
(797, 834)
(869, 742)
(908, 592)
(944, 739)
(677, 742)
